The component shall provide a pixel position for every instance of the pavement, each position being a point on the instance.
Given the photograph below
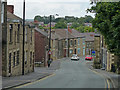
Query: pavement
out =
(41, 72)
(112, 77)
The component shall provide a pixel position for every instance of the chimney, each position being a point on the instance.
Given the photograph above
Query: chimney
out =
(10, 8)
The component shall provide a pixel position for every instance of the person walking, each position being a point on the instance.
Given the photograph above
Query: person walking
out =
(49, 62)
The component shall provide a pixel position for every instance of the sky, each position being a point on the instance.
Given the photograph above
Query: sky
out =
(75, 8)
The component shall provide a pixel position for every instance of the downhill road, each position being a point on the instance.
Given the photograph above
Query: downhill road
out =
(72, 74)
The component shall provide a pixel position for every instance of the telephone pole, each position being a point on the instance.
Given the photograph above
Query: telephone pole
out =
(23, 36)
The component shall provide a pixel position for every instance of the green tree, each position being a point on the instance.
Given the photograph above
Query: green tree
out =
(107, 21)
(60, 25)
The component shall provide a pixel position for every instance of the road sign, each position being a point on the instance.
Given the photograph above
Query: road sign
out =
(93, 53)
(49, 52)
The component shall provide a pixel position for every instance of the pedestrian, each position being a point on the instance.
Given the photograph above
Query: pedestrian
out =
(48, 62)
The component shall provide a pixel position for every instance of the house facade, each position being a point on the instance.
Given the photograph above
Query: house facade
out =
(13, 47)
(41, 47)
(65, 44)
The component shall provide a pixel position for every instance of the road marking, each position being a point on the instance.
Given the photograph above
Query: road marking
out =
(35, 81)
(107, 85)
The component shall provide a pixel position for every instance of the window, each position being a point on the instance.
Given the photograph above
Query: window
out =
(26, 57)
(83, 41)
(25, 34)
(31, 36)
(17, 57)
(2, 13)
(9, 62)
(71, 51)
(71, 42)
(15, 38)
(65, 43)
(18, 33)
(75, 42)
(30, 58)
(33, 56)
(11, 31)
(14, 59)
(78, 50)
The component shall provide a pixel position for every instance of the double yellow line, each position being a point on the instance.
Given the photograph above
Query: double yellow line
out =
(107, 83)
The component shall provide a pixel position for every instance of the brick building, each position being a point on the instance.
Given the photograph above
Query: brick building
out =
(41, 47)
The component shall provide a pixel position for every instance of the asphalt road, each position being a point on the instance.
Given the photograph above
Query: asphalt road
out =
(72, 74)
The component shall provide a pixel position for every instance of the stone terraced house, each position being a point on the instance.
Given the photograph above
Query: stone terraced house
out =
(13, 47)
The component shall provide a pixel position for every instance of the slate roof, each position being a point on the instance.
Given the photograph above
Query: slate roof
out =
(42, 32)
(11, 16)
(76, 33)
(89, 36)
(63, 34)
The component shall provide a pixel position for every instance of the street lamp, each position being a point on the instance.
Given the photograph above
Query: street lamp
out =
(50, 39)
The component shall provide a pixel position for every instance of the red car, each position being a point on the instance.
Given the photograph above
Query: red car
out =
(88, 57)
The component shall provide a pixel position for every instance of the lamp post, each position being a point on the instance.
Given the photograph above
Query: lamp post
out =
(23, 36)
(49, 52)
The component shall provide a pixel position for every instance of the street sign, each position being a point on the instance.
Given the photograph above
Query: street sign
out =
(49, 52)
(93, 53)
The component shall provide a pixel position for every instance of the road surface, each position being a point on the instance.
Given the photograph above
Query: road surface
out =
(72, 74)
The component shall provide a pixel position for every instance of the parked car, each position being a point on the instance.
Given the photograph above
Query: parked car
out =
(88, 57)
(74, 57)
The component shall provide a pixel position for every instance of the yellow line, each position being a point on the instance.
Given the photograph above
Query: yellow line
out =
(108, 84)
(100, 75)
(35, 81)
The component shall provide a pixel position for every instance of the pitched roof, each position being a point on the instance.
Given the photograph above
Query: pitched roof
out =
(42, 32)
(11, 16)
(75, 33)
(89, 36)
(63, 34)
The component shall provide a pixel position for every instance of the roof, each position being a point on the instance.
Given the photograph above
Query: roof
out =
(63, 34)
(42, 32)
(11, 16)
(75, 33)
(89, 36)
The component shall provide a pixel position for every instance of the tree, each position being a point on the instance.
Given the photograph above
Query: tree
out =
(107, 21)
(60, 25)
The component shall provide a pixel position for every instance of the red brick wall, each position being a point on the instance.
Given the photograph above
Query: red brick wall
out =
(40, 42)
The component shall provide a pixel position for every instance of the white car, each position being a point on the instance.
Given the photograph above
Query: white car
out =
(74, 57)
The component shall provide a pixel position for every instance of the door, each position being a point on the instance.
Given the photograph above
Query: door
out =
(64, 52)
(10, 63)
(75, 51)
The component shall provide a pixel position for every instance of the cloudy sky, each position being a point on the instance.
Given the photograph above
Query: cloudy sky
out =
(75, 8)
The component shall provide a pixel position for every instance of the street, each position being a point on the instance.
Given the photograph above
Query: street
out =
(72, 74)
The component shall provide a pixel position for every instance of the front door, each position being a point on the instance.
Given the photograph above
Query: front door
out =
(64, 52)
(10, 63)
